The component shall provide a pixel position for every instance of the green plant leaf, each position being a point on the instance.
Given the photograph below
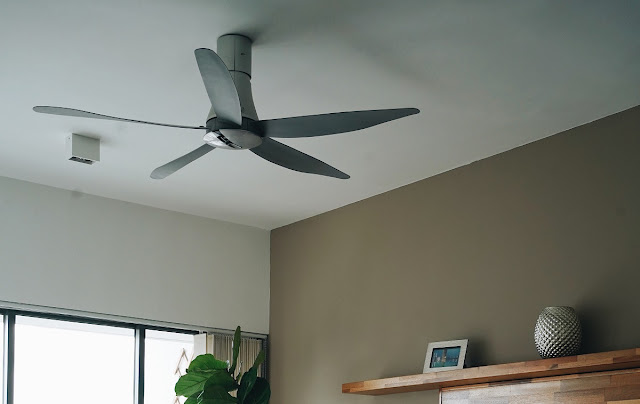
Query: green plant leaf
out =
(207, 362)
(221, 378)
(215, 401)
(259, 359)
(260, 394)
(191, 400)
(215, 395)
(195, 382)
(191, 383)
(246, 384)
(236, 349)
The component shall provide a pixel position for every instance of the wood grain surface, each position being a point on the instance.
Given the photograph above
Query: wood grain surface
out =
(613, 387)
(598, 362)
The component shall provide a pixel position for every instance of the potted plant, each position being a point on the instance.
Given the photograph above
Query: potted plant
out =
(210, 381)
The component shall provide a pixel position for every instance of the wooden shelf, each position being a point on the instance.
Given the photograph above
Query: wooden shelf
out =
(626, 359)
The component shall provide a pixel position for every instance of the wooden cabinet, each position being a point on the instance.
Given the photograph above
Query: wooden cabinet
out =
(614, 387)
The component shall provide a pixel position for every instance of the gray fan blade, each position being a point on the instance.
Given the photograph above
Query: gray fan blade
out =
(85, 114)
(220, 87)
(328, 124)
(293, 159)
(173, 166)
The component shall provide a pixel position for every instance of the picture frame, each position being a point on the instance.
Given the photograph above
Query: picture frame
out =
(445, 355)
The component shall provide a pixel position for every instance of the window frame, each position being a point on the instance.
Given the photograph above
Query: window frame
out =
(8, 348)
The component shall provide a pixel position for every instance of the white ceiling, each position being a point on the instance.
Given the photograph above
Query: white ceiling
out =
(488, 76)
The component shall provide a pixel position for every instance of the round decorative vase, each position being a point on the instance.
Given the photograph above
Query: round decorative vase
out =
(558, 332)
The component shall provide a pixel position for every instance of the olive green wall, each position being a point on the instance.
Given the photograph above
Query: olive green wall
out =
(477, 252)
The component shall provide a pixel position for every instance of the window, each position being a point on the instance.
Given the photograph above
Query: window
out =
(75, 360)
(167, 355)
(72, 361)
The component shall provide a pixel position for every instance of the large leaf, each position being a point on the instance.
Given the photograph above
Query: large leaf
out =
(207, 362)
(260, 393)
(194, 382)
(236, 350)
(191, 383)
(192, 400)
(215, 395)
(221, 378)
(246, 384)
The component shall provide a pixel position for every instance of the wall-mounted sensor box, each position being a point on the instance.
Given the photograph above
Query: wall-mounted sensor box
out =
(83, 149)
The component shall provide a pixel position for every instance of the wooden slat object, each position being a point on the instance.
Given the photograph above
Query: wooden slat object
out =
(612, 387)
(625, 359)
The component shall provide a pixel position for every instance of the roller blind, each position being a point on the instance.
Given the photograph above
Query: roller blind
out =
(221, 346)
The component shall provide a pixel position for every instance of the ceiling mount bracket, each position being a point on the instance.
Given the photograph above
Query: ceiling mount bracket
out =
(235, 52)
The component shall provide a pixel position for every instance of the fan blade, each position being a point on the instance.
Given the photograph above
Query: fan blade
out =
(84, 114)
(220, 87)
(328, 124)
(293, 159)
(173, 166)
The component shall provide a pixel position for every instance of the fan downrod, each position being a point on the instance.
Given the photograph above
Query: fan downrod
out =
(235, 52)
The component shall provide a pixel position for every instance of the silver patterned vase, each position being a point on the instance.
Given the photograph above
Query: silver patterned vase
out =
(558, 332)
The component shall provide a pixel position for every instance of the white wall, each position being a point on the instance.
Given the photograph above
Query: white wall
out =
(81, 252)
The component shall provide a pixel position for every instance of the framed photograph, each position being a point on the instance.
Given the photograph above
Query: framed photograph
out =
(445, 355)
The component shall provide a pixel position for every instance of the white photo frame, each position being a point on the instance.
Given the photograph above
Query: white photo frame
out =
(437, 360)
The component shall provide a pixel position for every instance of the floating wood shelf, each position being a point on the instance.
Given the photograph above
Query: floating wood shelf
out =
(626, 359)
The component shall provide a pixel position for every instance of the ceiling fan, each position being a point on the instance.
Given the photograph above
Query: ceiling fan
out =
(233, 123)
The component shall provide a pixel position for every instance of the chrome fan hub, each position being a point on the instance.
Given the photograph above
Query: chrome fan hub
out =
(232, 139)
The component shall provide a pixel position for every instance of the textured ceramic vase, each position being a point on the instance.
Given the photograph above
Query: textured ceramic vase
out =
(558, 332)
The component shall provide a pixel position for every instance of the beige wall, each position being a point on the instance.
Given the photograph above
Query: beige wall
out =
(69, 250)
(476, 253)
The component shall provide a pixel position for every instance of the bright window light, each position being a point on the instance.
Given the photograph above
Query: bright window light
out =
(167, 355)
(72, 363)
